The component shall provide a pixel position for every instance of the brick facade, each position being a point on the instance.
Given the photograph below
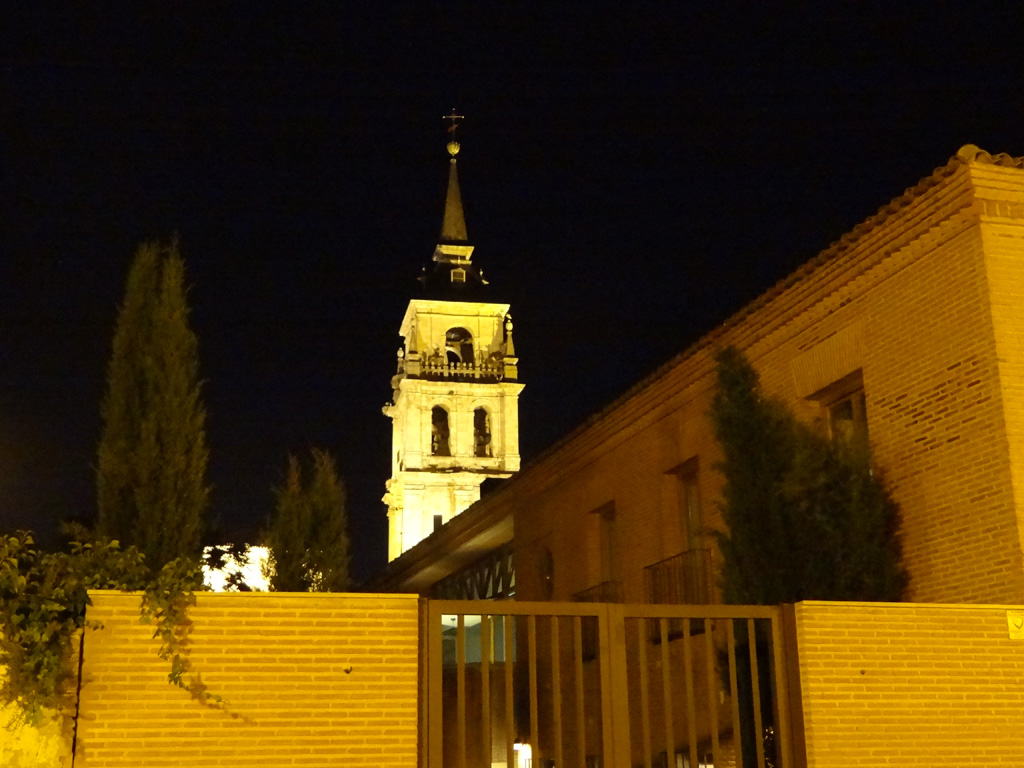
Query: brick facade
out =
(909, 685)
(310, 680)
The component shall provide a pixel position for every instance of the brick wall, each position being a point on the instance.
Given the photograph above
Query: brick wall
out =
(925, 302)
(1002, 235)
(910, 685)
(310, 680)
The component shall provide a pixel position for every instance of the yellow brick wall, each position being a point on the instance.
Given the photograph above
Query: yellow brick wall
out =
(927, 300)
(910, 685)
(310, 680)
(1002, 233)
(935, 415)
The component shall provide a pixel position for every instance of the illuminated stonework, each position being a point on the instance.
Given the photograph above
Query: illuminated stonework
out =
(455, 410)
(455, 416)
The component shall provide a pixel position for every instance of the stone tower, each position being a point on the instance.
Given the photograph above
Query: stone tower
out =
(455, 409)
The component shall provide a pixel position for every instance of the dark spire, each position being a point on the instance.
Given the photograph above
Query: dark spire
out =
(454, 246)
(453, 275)
(453, 229)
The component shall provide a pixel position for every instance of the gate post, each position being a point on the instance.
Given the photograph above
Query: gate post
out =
(431, 701)
(614, 685)
(790, 669)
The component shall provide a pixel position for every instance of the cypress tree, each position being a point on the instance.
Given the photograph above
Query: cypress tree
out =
(806, 519)
(151, 474)
(308, 532)
(287, 565)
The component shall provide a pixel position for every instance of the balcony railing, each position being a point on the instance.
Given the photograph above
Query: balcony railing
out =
(605, 592)
(683, 579)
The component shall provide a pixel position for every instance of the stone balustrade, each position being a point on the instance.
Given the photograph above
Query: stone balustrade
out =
(440, 369)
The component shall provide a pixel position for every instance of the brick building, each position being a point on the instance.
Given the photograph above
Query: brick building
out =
(910, 328)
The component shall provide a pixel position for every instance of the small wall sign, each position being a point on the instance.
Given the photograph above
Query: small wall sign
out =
(1015, 623)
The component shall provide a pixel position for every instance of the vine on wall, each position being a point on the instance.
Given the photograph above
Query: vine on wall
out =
(43, 598)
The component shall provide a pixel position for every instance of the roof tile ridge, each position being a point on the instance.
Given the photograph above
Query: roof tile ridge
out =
(972, 153)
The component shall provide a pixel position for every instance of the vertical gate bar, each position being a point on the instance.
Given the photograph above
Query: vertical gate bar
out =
(780, 694)
(642, 637)
(666, 694)
(737, 728)
(460, 686)
(605, 669)
(485, 689)
(796, 750)
(435, 693)
(577, 657)
(691, 700)
(709, 654)
(510, 712)
(615, 637)
(531, 640)
(755, 685)
(556, 686)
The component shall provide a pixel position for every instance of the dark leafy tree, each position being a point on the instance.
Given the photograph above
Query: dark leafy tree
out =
(287, 535)
(308, 532)
(806, 519)
(151, 476)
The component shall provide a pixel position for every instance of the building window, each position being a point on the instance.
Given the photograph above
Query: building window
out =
(609, 551)
(683, 578)
(689, 503)
(602, 572)
(439, 432)
(458, 275)
(482, 432)
(603, 558)
(845, 411)
(847, 420)
(458, 343)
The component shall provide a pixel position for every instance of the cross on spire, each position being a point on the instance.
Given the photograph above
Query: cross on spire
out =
(454, 120)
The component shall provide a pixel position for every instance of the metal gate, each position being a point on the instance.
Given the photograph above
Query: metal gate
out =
(588, 685)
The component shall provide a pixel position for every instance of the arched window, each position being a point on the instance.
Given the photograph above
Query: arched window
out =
(482, 432)
(439, 432)
(459, 345)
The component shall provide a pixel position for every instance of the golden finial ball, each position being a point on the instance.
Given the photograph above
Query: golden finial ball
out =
(453, 148)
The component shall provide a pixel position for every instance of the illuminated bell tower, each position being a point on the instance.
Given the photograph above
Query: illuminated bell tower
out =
(455, 409)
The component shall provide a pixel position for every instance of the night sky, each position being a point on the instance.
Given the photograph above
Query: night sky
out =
(630, 179)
